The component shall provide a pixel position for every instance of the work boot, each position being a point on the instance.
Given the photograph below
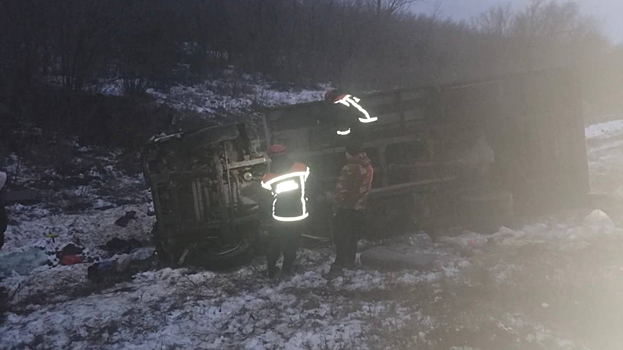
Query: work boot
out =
(272, 272)
(288, 271)
(334, 272)
(350, 266)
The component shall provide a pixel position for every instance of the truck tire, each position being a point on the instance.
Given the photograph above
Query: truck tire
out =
(209, 254)
(238, 255)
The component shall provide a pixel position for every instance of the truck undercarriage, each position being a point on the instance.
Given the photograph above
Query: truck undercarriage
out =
(205, 193)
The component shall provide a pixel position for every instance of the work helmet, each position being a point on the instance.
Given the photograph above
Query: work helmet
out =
(332, 95)
(276, 150)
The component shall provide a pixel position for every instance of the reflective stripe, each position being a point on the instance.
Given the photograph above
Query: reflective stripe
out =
(342, 133)
(303, 174)
(303, 198)
(286, 186)
(369, 120)
(295, 218)
(349, 100)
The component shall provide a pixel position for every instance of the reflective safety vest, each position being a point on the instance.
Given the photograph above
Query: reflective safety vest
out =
(352, 101)
(288, 189)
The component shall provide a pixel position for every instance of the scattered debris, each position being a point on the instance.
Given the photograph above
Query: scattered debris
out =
(71, 259)
(97, 271)
(125, 220)
(122, 246)
(22, 262)
(142, 253)
(120, 266)
(71, 254)
(71, 249)
(52, 235)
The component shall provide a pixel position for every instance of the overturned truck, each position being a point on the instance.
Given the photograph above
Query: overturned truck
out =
(467, 155)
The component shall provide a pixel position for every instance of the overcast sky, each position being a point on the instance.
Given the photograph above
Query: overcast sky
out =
(607, 12)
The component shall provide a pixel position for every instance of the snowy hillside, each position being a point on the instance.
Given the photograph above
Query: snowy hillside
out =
(223, 96)
(551, 284)
(233, 94)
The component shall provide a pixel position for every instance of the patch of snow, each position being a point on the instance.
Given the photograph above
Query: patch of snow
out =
(605, 157)
(599, 219)
(604, 130)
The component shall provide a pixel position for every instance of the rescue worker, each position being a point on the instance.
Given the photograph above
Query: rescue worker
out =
(286, 181)
(351, 200)
(3, 218)
(352, 115)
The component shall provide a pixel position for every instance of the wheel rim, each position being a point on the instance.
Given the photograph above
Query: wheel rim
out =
(226, 251)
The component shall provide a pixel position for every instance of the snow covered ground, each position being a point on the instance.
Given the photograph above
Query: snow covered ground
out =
(604, 130)
(605, 156)
(553, 284)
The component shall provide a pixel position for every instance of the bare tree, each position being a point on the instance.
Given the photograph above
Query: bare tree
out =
(496, 21)
(365, 43)
(389, 8)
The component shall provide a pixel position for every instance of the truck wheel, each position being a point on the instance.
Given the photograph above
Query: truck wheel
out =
(222, 257)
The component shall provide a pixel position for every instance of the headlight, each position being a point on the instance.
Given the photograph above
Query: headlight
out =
(247, 176)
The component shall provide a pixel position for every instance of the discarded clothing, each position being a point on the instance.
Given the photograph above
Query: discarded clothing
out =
(122, 246)
(119, 265)
(71, 259)
(71, 249)
(22, 262)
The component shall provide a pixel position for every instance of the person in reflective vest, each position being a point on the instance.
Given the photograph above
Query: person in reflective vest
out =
(355, 115)
(286, 181)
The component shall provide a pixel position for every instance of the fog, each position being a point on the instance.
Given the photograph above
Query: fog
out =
(608, 12)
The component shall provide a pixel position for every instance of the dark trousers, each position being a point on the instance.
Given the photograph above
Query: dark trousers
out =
(284, 238)
(347, 226)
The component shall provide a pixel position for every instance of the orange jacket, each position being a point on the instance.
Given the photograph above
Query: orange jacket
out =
(354, 183)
